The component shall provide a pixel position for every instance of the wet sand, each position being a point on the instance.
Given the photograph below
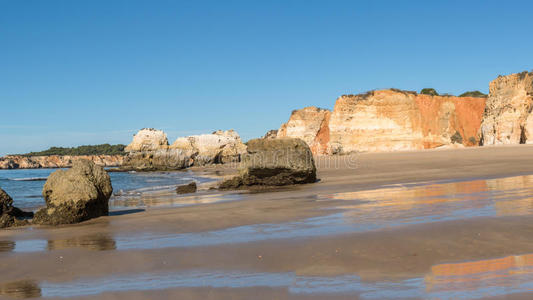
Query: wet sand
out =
(410, 225)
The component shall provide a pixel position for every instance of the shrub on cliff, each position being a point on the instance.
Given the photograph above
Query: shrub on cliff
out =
(104, 149)
(476, 94)
(429, 91)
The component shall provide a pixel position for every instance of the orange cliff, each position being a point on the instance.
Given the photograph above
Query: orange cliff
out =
(388, 120)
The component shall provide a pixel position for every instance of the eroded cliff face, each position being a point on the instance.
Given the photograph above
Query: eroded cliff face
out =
(56, 161)
(508, 118)
(388, 120)
(311, 125)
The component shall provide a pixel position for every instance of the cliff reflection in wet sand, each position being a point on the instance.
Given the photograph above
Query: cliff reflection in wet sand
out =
(493, 276)
(20, 289)
(441, 201)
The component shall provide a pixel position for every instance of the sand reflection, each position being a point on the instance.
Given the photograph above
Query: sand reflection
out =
(7, 246)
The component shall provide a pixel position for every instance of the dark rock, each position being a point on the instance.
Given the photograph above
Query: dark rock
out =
(187, 188)
(75, 195)
(10, 215)
(274, 162)
(158, 160)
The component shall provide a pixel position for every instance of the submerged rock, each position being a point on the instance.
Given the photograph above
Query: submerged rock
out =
(187, 188)
(75, 195)
(9, 214)
(274, 162)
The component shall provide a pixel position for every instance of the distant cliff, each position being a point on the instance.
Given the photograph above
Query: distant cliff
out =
(388, 120)
(56, 161)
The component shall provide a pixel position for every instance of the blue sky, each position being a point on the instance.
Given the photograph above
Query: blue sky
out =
(87, 72)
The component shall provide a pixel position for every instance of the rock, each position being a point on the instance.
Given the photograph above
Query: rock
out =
(310, 124)
(10, 215)
(159, 160)
(274, 162)
(187, 188)
(387, 120)
(218, 147)
(148, 139)
(56, 161)
(75, 195)
(198, 150)
(271, 134)
(508, 118)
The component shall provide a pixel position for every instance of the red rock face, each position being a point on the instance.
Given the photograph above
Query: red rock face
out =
(388, 120)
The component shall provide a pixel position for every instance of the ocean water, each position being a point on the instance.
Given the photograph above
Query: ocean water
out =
(25, 185)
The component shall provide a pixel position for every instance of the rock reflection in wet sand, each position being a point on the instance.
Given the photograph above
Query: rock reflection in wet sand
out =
(21, 289)
(91, 242)
(7, 246)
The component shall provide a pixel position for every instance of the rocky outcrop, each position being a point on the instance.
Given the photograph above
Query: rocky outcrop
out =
(508, 118)
(56, 161)
(75, 195)
(271, 134)
(148, 139)
(274, 162)
(310, 124)
(197, 150)
(388, 120)
(9, 214)
(218, 147)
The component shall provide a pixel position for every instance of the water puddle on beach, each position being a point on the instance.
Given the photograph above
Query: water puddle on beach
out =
(464, 280)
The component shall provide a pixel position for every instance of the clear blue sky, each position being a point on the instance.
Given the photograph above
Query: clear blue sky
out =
(86, 72)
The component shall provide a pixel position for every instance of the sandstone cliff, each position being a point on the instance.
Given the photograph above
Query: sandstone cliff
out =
(508, 118)
(388, 120)
(56, 161)
(149, 150)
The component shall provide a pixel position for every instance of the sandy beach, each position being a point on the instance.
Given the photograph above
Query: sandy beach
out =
(409, 225)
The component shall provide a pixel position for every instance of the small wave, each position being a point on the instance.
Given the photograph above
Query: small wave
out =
(29, 179)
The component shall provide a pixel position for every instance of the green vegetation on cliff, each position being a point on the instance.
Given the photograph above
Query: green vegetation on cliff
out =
(104, 149)
(429, 91)
(476, 94)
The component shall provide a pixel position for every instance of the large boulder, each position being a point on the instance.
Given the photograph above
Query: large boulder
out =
(9, 214)
(75, 195)
(275, 162)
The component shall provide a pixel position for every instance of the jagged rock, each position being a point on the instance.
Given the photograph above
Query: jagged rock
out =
(148, 139)
(9, 214)
(218, 147)
(311, 125)
(274, 162)
(187, 188)
(159, 160)
(387, 120)
(75, 195)
(508, 118)
(271, 134)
